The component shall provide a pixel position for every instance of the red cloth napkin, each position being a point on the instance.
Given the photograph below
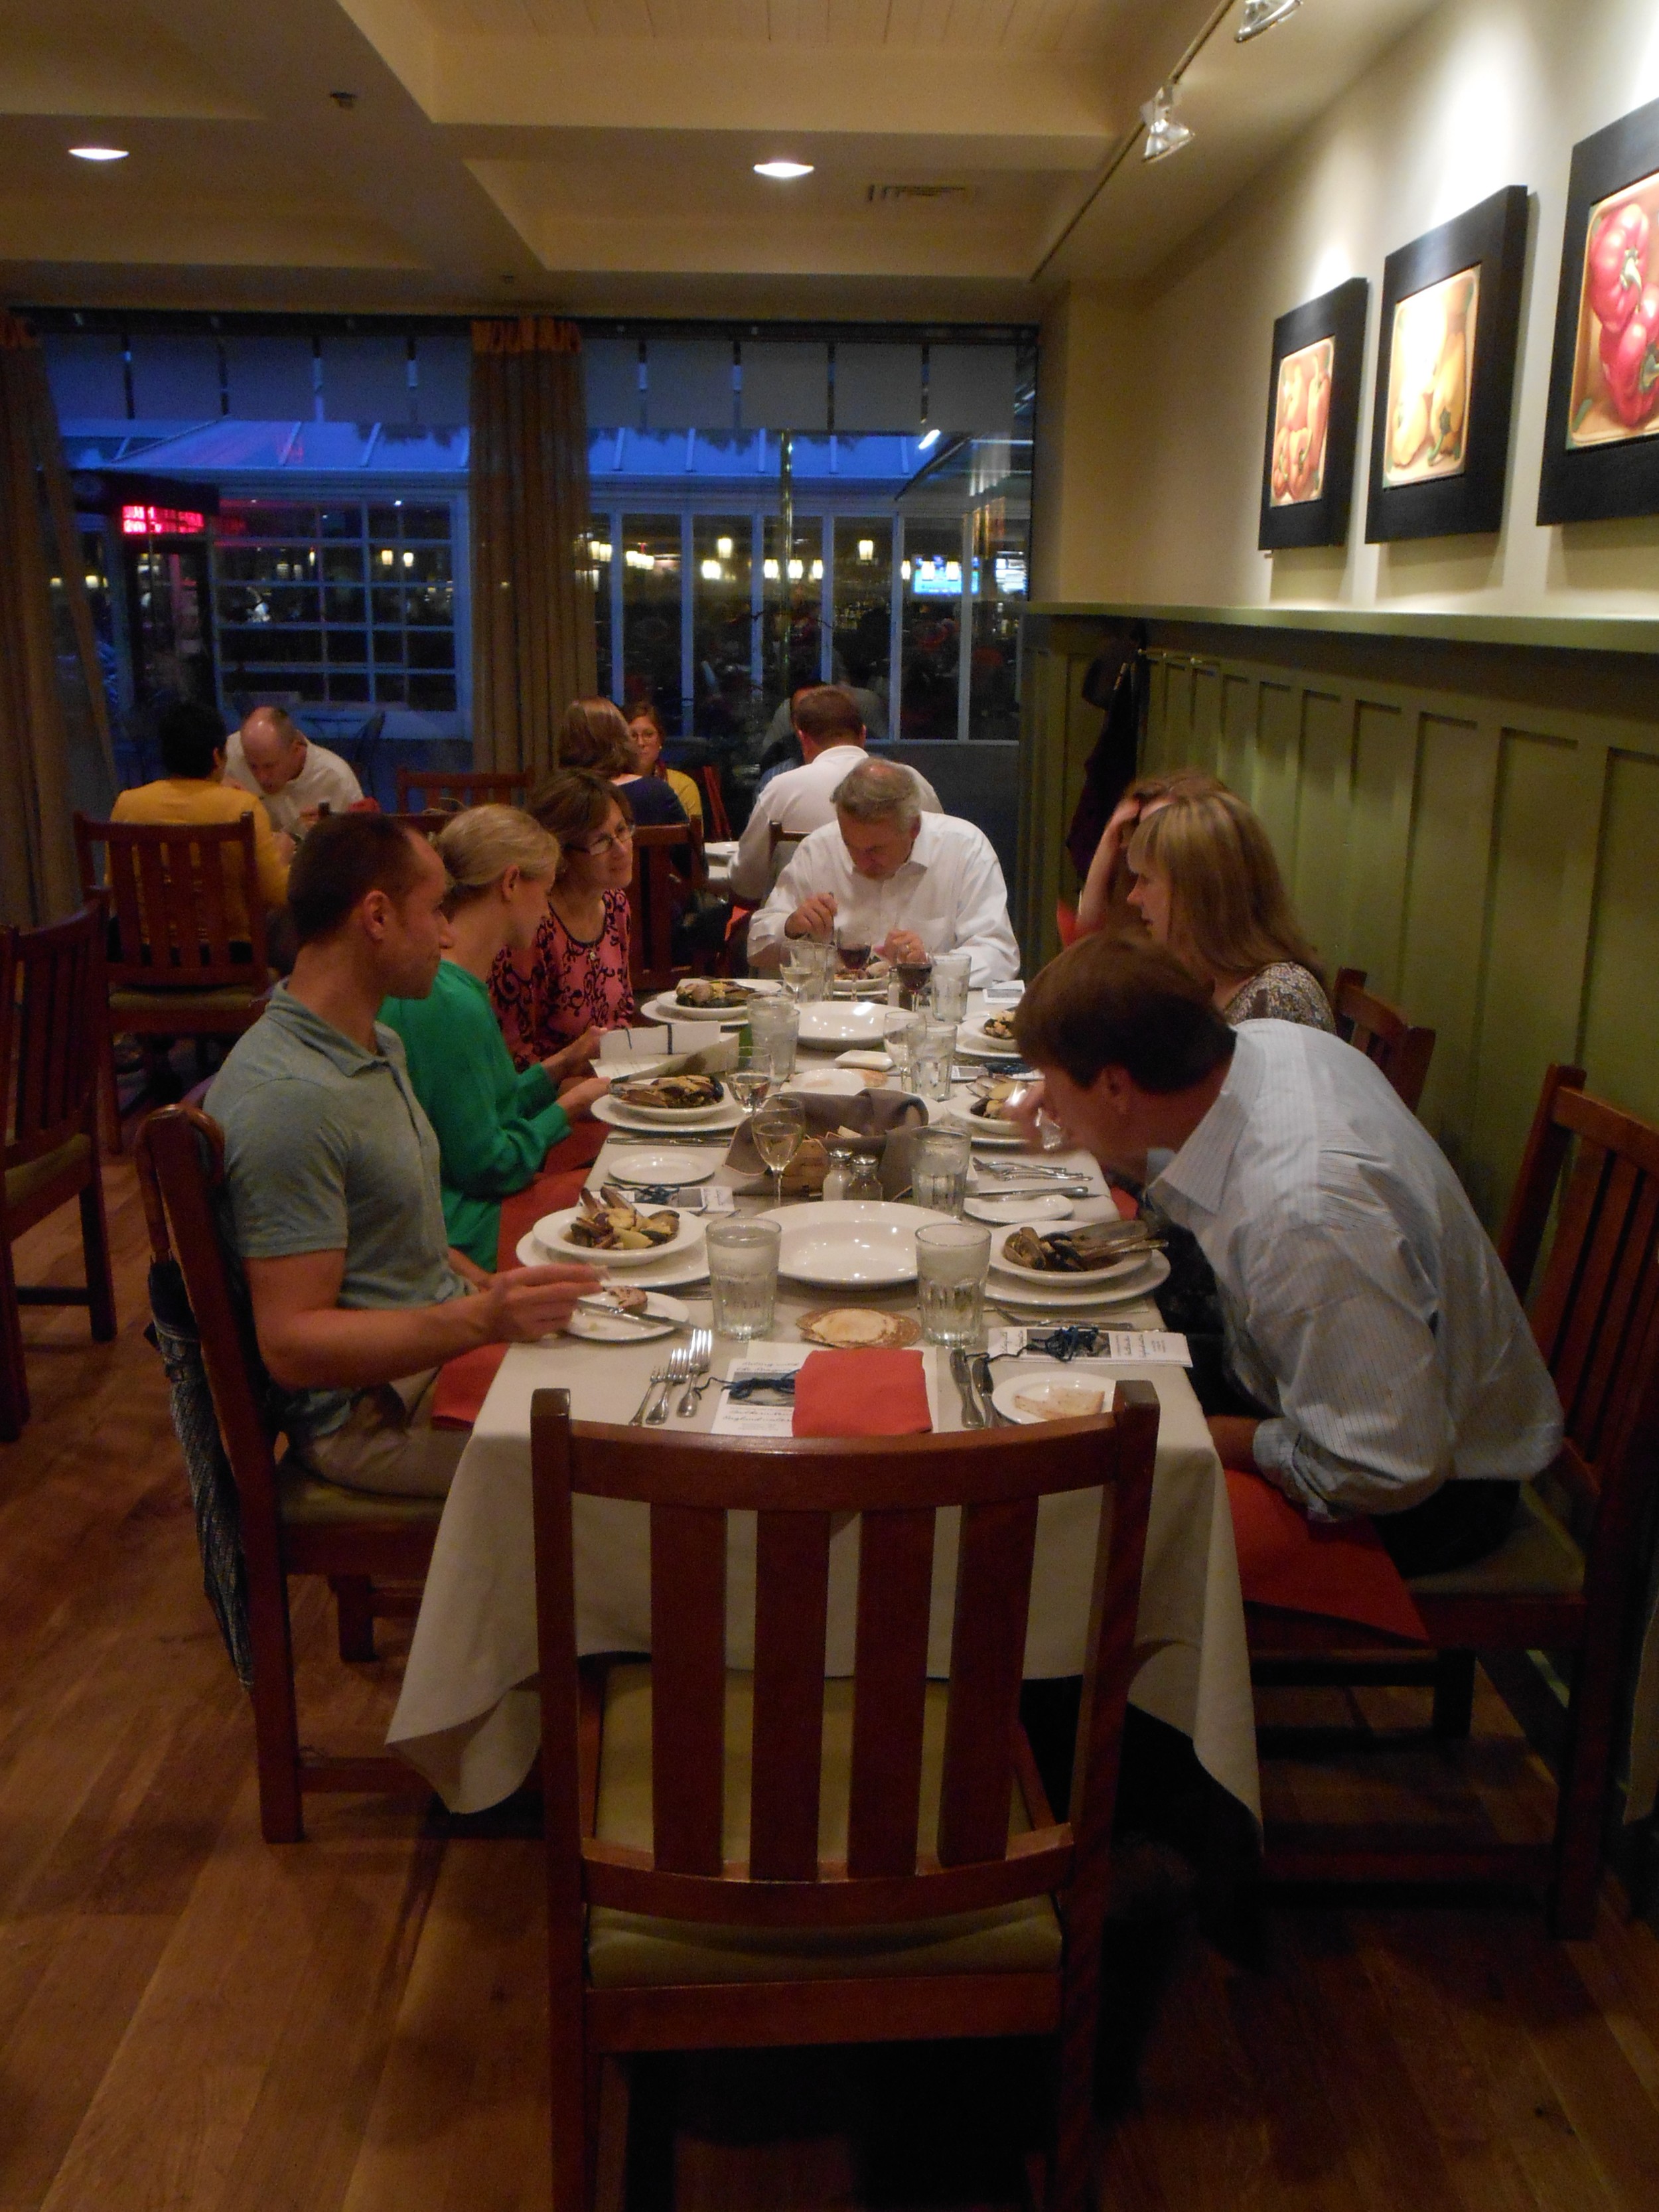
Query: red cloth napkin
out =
(1338, 1569)
(861, 1393)
(463, 1384)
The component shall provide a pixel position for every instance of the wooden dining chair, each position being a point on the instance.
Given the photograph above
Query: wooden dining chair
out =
(173, 967)
(665, 854)
(737, 1859)
(470, 787)
(1382, 1034)
(781, 847)
(51, 1030)
(1565, 1581)
(375, 1551)
(717, 823)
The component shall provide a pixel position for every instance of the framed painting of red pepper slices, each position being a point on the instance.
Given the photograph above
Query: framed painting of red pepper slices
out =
(1445, 374)
(1602, 425)
(1313, 415)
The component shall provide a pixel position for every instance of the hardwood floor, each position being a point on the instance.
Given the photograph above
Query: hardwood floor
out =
(190, 2021)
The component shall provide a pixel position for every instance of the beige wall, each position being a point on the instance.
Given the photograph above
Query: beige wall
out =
(1153, 411)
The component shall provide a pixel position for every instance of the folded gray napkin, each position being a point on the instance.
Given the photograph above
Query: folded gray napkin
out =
(882, 1116)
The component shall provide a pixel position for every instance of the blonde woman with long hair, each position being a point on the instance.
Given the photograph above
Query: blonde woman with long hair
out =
(1207, 886)
(494, 1127)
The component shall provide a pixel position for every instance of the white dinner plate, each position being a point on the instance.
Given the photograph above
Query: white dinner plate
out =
(674, 1117)
(842, 1022)
(977, 1046)
(1032, 1380)
(550, 1233)
(850, 1244)
(670, 1165)
(712, 1120)
(661, 1317)
(665, 1007)
(1019, 1208)
(827, 1082)
(673, 1274)
(1112, 1272)
(999, 1136)
(1005, 1290)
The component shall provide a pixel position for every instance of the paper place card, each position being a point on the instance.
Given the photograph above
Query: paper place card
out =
(718, 1198)
(1004, 994)
(662, 1040)
(749, 1417)
(1127, 1347)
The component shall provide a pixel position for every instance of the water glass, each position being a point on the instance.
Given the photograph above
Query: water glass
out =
(899, 1033)
(949, 986)
(952, 1260)
(774, 1028)
(939, 1169)
(752, 1079)
(931, 1055)
(743, 1275)
(804, 968)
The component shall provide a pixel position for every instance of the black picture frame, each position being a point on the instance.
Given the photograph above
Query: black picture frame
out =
(1590, 483)
(1338, 315)
(1492, 236)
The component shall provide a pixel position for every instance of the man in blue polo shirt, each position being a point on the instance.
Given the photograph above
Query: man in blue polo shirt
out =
(332, 1184)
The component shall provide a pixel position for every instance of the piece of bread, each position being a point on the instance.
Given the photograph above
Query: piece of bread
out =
(1061, 1401)
(627, 1297)
(847, 1326)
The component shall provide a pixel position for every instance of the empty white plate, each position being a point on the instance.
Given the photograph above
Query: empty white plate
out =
(850, 1244)
(670, 1165)
(842, 1022)
(1019, 1209)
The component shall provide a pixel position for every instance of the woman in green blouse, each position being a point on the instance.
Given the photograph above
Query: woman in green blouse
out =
(494, 1127)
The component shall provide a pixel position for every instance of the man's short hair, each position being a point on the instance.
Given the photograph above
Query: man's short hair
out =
(878, 791)
(828, 713)
(1111, 1002)
(345, 857)
(190, 732)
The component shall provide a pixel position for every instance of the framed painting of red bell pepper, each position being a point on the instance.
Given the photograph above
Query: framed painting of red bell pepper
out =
(1313, 414)
(1601, 424)
(1445, 374)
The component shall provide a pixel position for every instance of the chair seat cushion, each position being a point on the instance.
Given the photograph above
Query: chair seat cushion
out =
(183, 998)
(305, 1501)
(628, 1950)
(1537, 1558)
(27, 1182)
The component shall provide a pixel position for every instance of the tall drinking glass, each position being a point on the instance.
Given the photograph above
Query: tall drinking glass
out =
(778, 1128)
(939, 1169)
(952, 1260)
(774, 1028)
(950, 986)
(804, 968)
(743, 1275)
(750, 1081)
(934, 1050)
(899, 1034)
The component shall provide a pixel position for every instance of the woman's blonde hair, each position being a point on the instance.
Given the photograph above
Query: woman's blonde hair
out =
(1230, 914)
(479, 847)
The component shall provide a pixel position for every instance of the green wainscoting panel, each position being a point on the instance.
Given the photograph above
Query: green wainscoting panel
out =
(1494, 868)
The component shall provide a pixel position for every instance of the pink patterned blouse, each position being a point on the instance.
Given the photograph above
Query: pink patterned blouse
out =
(544, 999)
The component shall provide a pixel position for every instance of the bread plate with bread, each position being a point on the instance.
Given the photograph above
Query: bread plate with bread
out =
(1076, 1392)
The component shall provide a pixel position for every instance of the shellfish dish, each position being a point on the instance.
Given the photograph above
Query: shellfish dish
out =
(610, 1222)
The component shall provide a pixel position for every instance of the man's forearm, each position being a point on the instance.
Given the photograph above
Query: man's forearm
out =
(353, 1348)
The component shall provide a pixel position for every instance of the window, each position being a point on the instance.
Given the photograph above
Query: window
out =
(651, 615)
(863, 604)
(722, 621)
(931, 625)
(347, 603)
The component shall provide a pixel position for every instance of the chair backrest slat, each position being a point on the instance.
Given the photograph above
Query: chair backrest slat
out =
(889, 1689)
(651, 901)
(987, 1655)
(1606, 1382)
(792, 1589)
(170, 885)
(688, 1705)
(472, 786)
(1573, 1230)
(1382, 1033)
(208, 885)
(1582, 1324)
(49, 1032)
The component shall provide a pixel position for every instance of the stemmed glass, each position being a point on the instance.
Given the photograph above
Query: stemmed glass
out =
(750, 1081)
(779, 1128)
(854, 950)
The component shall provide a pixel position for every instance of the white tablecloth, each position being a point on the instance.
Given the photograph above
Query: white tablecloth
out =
(468, 1716)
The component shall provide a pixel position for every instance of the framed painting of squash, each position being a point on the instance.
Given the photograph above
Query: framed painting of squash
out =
(1445, 374)
(1313, 414)
(1602, 421)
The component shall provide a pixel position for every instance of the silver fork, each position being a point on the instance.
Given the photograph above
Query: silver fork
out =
(679, 1370)
(657, 1379)
(701, 1352)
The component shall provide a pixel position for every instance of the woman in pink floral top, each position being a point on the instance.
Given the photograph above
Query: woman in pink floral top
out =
(574, 982)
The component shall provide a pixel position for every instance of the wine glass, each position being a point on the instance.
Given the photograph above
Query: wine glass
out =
(854, 947)
(750, 1081)
(779, 1128)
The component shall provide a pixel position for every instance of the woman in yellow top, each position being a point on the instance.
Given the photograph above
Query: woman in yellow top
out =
(647, 732)
(193, 790)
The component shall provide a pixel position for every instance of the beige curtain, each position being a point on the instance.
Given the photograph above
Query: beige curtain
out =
(533, 590)
(54, 733)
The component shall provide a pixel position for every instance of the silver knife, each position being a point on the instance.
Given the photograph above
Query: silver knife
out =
(972, 1413)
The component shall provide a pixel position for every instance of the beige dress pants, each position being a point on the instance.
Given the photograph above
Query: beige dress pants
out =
(387, 1443)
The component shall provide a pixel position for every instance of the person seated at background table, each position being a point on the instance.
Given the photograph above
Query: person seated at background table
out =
(194, 790)
(1104, 901)
(1368, 1319)
(646, 735)
(271, 757)
(799, 799)
(594, 736)
(495, 1126)
(332, 1178)
(1207, 886)
(911, 884)
(575, 980)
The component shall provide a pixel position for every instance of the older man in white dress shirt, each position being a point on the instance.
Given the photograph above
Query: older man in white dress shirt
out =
(911, 886)
(271, 757)
(1366, 1313)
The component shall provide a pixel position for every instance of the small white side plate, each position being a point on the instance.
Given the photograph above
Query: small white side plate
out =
(1020, 1209)
(670, 1165)
(1032, 1380)
(661, 1317)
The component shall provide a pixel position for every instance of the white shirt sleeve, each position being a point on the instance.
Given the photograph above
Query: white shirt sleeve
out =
(766, 925)
(983, 930)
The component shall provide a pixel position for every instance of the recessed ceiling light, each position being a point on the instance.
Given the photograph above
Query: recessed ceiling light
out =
(783, 169)
(1261, 15)
(99, 153)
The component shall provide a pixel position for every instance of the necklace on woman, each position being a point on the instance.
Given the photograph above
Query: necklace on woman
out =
(583, 917)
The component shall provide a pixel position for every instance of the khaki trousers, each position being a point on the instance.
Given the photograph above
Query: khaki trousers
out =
(387, 1443)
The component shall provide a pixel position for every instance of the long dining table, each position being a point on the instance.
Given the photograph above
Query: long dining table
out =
(468, 1716)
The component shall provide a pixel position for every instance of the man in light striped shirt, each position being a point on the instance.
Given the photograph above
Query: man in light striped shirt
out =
(1366, 1313)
